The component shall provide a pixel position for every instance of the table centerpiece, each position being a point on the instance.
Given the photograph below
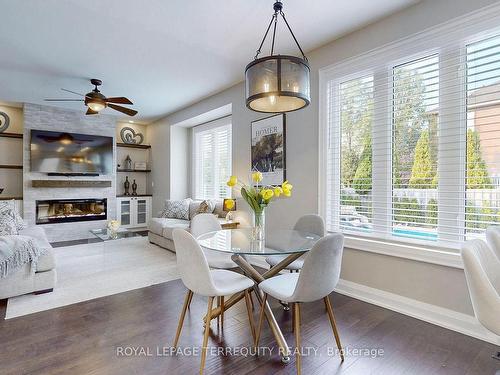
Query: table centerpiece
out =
(258, 198)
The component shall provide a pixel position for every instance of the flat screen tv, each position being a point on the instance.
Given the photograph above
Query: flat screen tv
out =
(71, 153)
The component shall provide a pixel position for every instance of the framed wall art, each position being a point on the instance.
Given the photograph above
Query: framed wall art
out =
(269, 148)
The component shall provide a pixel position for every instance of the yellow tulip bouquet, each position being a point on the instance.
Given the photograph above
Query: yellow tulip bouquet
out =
(258, 198)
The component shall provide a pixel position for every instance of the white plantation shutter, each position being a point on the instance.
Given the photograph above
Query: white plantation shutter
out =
(212, 160)
(412, 146)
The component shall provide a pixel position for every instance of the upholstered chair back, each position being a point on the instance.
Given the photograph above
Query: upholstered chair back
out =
(204, 223)
(321, 271)
(311, 224)
(192, 264)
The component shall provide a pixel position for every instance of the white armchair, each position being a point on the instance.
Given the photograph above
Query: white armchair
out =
(482, 271)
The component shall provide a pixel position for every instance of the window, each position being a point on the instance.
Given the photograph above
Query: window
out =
(356, 114)
(411, 149)
(415, 99)
(482, 168)
(212, 159)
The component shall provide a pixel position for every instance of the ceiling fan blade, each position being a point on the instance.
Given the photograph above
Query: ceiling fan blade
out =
(121, 109)
(91, 112)
(119, 100)
(63, 100)
(73, 92)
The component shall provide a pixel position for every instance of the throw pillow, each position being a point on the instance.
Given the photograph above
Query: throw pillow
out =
(10, 205)
(205, 207)
(7, 221)
(176, 209)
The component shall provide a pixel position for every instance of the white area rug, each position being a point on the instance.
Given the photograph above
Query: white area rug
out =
(96, 270)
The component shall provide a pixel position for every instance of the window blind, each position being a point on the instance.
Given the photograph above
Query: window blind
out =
(413, 146)
(212, 161)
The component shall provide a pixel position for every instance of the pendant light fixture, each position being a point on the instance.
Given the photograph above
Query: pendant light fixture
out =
(277, 83)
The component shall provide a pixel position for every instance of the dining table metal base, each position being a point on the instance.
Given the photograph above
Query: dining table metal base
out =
(251, 272)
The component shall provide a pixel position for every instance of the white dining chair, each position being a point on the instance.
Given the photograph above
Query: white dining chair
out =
(204, 223)
(482, 272)
(316, 280)
(493, 239)
(200, 279)
(308, 223)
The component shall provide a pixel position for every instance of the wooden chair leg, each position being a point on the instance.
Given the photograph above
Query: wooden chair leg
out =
(250, 314)
(205, 336)
(218, 316)
(222, 312)
(189, 302)
(331, 317)
(261, 318)
(298, 358)
(251, 300)
(188, 297)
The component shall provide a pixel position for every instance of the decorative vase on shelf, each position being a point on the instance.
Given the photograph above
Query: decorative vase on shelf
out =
(259, 225)
(134, 188)
(128, 163)
(126, 186)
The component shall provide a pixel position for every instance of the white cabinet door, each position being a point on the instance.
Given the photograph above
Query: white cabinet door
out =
(142, 211)
(124, 212)
(134, 211)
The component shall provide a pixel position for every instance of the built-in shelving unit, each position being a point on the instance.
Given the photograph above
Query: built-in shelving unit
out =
(133, 170)
(131, 145)
(138, 195)
(11, 168)
(11, 135)
(138, 153)
(7, 166)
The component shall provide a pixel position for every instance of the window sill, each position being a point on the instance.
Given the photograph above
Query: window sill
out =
(424, 254)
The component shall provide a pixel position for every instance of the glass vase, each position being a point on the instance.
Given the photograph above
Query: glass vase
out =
(259, 225)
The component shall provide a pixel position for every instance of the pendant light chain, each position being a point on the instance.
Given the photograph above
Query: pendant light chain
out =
(264, 39)
(274, 19)
(293, 35)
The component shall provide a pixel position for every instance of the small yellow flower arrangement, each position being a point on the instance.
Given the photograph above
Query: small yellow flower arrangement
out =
(258, 197)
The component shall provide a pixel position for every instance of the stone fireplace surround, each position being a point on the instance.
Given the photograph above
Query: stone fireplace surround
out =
(57, 119)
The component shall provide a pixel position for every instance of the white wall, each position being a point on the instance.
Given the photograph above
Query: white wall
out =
(158, 134)
(180, 152)
(433, 284)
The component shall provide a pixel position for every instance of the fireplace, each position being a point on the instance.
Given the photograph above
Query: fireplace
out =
(70, 210)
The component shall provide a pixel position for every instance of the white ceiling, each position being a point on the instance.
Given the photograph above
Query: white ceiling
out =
(162, 54)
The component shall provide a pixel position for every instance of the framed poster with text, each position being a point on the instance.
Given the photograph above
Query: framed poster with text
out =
(269, 149)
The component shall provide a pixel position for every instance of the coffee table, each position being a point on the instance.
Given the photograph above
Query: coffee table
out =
(105, 234)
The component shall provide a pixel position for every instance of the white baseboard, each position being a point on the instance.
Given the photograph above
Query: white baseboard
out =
(455, 321)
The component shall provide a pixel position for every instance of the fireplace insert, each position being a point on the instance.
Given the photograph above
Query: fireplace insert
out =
(70, 210)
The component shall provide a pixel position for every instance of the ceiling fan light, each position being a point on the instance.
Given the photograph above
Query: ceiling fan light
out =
(96, 105)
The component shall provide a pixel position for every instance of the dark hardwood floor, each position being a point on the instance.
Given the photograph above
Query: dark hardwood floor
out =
(84, 338)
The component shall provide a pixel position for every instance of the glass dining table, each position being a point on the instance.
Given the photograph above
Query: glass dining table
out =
(240, 244)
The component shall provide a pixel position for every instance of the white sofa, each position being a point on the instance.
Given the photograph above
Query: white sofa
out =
(160, 229)
(23, 280)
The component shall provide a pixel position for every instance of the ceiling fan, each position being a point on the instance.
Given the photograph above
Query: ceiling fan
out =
(96, 102)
